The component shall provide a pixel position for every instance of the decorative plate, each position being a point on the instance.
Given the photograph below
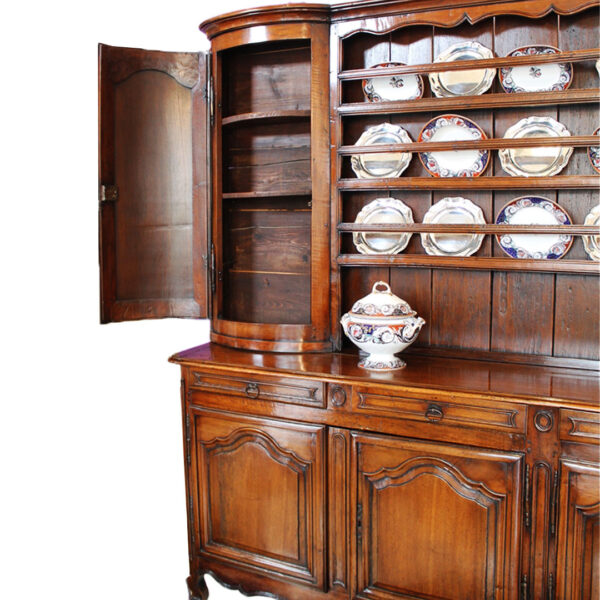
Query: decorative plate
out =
(591, 243)
(534, 210)
(453, 163)
(540, 161)
(387, 164)
(462, 83)
(453, 210)
(594, 154)
(394, 88)
(383, 210)
(547, 77)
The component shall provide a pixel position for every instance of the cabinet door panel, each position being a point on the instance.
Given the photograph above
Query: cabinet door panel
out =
(436, 521)
(578, 547)
(153, 184)
(261, 493)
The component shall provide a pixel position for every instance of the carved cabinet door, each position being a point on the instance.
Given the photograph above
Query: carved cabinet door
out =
(435, 521)
(578, 546)
(260, 494)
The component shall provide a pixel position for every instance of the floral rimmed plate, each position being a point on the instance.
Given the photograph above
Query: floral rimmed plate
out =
(462, 83)
(594, 154)
(534, 210)
(538, 161)
(383, 164)
(545, 77)
(394, 88)
(453, 163)
(447, 211)
(383, 210)
(591, 243)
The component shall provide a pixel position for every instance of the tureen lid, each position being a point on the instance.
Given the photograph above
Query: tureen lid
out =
(382, 303)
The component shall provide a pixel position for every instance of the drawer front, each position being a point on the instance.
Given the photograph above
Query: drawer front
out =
(441, 411)
(279, 389)
(579, 426)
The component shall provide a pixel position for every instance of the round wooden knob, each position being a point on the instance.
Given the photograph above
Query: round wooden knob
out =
(252, 390)
(543, 421)
(338, 396)
(434, 413)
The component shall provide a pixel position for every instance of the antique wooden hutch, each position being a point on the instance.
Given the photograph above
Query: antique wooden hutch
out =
(226, 192)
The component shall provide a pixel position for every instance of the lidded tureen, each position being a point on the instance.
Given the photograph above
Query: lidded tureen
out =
(381, 324)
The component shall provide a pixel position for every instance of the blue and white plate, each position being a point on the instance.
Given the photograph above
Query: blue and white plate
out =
(453, 163)
(594, 154)
(534, 210)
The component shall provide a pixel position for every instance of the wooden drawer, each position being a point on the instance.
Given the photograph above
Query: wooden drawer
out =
(290, 390)
(443, 410)
(579, 426)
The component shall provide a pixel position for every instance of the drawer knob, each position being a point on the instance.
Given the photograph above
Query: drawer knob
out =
(434, 413)
(252, 390)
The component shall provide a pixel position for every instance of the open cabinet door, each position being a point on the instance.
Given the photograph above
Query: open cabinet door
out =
(153, 178)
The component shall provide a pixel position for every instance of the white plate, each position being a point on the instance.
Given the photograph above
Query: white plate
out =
(448, 211)
(591, 243)
(545, 77)
(594, 154)
(386, 164)
(540, 161)
(534, 210)
(394, 88)
(383, 210)
(462, 83)
(453, 163)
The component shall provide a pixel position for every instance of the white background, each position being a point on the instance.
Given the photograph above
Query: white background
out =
(91, 463)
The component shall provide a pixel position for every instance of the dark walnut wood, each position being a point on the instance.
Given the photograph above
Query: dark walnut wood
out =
(450, 478)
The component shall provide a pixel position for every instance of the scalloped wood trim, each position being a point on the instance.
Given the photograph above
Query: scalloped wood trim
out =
(438, 14)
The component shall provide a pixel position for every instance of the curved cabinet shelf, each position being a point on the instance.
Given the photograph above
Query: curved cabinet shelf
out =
(273, 116)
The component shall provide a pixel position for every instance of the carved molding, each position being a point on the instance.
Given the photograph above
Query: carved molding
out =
(442, 16)
(121, 63)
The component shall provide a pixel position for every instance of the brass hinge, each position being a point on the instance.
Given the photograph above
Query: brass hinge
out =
(527, 498)
(211, 100)
(359, 516)
(109, 193)
(551, 586)
(553, 504)
(213, 283)
(524, 588)
(188, 439)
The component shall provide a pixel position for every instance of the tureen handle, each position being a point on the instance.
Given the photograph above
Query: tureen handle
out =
(387, 290)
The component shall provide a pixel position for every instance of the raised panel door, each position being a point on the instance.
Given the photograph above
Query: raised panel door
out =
(435, 520)
(578, 546)
(260, 494)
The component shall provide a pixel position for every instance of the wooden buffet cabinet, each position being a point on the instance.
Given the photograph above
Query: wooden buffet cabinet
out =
(226, 192)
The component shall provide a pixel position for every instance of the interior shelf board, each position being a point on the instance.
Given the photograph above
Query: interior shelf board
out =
(559, 182)
(503, 100)
(462, 65)
(572, 141)
(273, 115)
(470, 262)
(257, 272)
(470, 228)
(304, 191)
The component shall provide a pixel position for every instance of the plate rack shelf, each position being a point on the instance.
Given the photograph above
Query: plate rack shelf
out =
(541, 295)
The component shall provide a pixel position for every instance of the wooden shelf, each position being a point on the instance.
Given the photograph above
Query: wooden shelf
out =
(272, 116)
(470, 228)
(583, 96)
(463, 65)
(572, 141)
(559, 182)
(482, 263)
(304, 191)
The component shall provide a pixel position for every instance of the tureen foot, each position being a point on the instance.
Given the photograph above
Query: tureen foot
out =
(375, 362)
